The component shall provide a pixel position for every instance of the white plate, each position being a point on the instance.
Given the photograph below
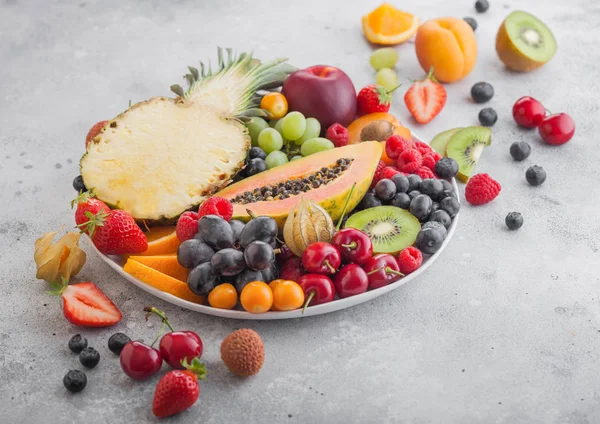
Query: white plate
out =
(117, 264)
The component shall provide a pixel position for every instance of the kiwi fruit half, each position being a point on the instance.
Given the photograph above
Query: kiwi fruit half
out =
(524, 43)
(438, 143)
(466, 146)
(390, 229)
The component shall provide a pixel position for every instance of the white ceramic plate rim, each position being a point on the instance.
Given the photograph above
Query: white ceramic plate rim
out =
(336, 305)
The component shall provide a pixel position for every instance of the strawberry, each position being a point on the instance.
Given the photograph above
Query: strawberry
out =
(178, 390)
(115, 233)
(84, 304)
(86, 202)
(94, 131)
(425, 99)
(374, 98)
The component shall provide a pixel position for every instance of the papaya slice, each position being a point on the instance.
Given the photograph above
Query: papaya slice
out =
(167, 264)
(325, 178)
(161, 241)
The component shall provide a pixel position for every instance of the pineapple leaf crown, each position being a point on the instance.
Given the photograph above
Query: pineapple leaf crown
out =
(236, 86)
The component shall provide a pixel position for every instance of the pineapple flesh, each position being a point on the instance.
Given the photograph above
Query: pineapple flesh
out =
(164, 156)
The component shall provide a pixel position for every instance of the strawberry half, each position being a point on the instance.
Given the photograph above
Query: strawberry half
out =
(425, 99)
(84, 304)
(94, 131)
(115, 233)
(87, 203)
(178, 390)
(374, 98)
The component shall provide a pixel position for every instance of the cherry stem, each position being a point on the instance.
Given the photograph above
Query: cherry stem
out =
(161, 314)
(374, 271)
(339, 224)
(351, 246)
(328, 265)
(277, 251)
(389, 270)
(162, 330)
(310, 297)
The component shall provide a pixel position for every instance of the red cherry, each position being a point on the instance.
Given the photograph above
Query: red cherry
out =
(354, 245)
(292, 269)
(177, 345)
(321, 258)
(351, 280)
(557, 129)
(317, 289)
(528, 112)
(140, 361)
(381, 270)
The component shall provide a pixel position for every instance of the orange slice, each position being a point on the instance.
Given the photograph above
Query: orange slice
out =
(388, 25)
(161, 241)
(161, 281)
(167, 264)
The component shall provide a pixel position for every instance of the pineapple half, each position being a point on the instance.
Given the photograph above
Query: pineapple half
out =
(164, 156)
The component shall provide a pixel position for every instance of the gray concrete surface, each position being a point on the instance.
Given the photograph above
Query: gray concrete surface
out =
(504, 328)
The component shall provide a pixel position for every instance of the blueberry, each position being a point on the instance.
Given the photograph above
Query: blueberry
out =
(414, 182)
(450, 205)
(401, 182)
(75, 381)
(202, 279)
(482, 92)
(78, 184)
(117, 342)
(482, 6)
(442, 217)
(420, 207)
(401, 200)
(255, 166)
(246, 277)
(270, 274)
(429, 241)
(471, 22)
(259, 255)
(370, 201)
(488, 117)
(385, 189)
(237, 227)
(228, 262)
(257, 153)
(77, 343)
(89, 357)
(263, 228)
(215, 231)
(194, 252)
(520, 150)
(514, 220)
(447, 185)
(437, 226)
(432, 187)
(413, 194)
(535, 175)
(446, 168)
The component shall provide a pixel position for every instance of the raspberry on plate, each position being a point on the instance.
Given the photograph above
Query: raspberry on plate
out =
(380, 166)
(216, 206)
(338, 135)
(423, 148)
(388, 172)
(424, 172)
(409, 160)
(481, 189)
(409, 260)
(394, 145)
(430, 159)
(187, 226)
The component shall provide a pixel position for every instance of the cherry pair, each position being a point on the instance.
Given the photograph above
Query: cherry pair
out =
(554, 129)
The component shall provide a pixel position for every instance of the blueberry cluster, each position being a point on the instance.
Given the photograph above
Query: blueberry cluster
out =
(224, 251)
(433, 202)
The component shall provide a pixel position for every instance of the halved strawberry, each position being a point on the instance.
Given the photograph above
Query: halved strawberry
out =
(84, 304)
(94, 131)
(425, 99)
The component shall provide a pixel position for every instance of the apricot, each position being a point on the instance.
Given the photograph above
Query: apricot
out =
(449, 46)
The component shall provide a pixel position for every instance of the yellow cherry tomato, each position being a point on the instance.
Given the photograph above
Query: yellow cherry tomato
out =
(287, 295)
(276, 104)
(257, 297)
(224, 296)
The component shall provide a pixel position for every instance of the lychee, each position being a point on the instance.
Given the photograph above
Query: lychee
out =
(243, 352)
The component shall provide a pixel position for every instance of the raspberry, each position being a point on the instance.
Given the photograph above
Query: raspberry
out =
(430, 159)
(395, 145)
(409, 260)
(338, 135)
(216, 206)
(409, 160)
(423, 148)
(481, 189)
(94, 131)
(424, 172)
(378, 171)
(388, 172)
(187, 225)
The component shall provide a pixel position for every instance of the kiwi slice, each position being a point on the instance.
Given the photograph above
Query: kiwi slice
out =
(390, 228)
(466, 146)
(439, 141)
(524, 43)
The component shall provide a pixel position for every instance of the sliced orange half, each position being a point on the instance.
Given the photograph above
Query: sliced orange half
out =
(167, 264)
(161, 241)
(388, 25)
(161, 281)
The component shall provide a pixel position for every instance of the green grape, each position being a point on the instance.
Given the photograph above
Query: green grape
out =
(270, 140)
(273, 122)
(387, 78)
(315, 145)
(293, 125)
(313, 129)
(275, 158)
(255, 126)
(384, 58)
(296, 157)
(278, 126)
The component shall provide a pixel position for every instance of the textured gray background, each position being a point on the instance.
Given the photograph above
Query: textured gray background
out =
(504, 328)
